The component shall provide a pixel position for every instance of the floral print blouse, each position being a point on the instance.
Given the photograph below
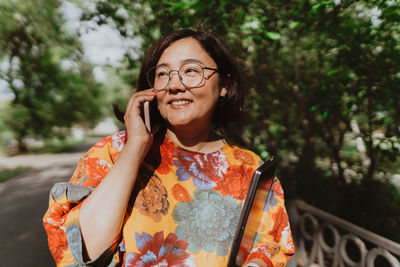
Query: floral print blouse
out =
(184, 209)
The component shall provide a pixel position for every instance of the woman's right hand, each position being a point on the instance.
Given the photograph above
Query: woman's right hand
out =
(135, 126)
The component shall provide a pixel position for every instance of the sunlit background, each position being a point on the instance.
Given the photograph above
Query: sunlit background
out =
(323, 79)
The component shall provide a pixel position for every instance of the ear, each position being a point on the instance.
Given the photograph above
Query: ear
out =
(223, 92)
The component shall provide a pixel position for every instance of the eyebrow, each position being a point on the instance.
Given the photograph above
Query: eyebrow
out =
(189, 60)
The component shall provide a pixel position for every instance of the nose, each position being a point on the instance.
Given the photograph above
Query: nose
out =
(175, 84)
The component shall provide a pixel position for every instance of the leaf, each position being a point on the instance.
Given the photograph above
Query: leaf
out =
(327, 3)
(186, 20)
(264, 154)
(294, 24)
(331, 72)
(273, 35)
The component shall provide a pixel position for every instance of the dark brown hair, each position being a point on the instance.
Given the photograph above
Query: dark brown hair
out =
(229, 108)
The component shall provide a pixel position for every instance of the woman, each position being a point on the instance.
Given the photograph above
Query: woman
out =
(170, 198)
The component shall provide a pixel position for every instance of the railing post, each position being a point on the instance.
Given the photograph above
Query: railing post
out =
(302, 216)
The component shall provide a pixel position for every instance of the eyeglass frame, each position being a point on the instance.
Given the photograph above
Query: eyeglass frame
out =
(180, 77)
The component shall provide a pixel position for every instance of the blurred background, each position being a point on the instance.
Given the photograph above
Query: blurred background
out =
(323, 80)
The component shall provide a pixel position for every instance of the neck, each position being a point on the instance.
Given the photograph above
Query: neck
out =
(198, 140)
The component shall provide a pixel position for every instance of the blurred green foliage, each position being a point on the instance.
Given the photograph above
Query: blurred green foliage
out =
(323, 83)
(48, 98)
(6, 174)
(60, 145)
(322, 78)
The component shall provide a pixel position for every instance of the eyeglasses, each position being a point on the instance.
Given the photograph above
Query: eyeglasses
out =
(190, 74)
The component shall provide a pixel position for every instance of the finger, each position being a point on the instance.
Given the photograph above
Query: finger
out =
(161, 90)
(136, 94)
(134, 107)
(140, 97)
(138, 100)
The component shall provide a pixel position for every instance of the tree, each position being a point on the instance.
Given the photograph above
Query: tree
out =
(321, 76)
(49, 95)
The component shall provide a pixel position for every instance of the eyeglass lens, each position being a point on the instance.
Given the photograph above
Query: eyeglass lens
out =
(190, 74)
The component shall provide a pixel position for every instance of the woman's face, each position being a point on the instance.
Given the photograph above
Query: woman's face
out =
(188, 108)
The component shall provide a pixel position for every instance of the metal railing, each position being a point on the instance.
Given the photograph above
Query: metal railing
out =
(322, 239)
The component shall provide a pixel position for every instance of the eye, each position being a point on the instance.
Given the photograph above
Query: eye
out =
(192, 70)
(161, 74)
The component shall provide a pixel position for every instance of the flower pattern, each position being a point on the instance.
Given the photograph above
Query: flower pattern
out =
(278, 189)
(260, 252)
(80, 171)
(59, 245)
(103, 142)
(236, 181)
(207, 191)
(157, 251)
(206, 169)
(180, 193)
(244, 156)
(271, 202)
(276, 193)
(166, 157)
(153, 199)
(281, 222)
(118, 140)
(208, 221)
(96, 169)
(286, 239)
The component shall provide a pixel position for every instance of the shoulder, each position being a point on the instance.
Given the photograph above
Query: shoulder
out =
(242, 155)
(112, 143)
(108, 147)
(115, 141)
(98, 160)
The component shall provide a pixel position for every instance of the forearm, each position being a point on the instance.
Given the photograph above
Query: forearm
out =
(102, 213)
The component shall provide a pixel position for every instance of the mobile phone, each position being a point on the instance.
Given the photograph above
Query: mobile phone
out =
(150, 114)
(253, 209)
(146, 113)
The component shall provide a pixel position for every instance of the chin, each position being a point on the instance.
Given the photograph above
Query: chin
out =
(179, 120)
(180, 124)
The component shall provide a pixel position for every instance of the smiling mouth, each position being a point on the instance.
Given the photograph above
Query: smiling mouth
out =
(180, 102)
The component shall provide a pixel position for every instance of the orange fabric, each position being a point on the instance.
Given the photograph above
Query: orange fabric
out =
(186, 212)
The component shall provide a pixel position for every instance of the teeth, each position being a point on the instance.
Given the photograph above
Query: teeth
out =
(180, 102)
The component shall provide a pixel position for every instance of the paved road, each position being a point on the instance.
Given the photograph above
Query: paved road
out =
(23, 202)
